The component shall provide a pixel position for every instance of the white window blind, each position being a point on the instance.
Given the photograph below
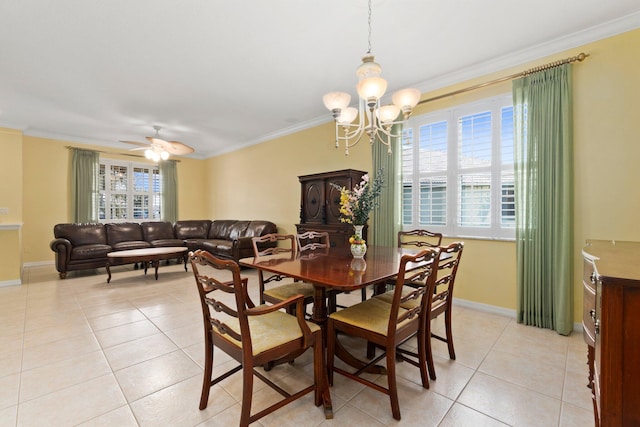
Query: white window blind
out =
(457, 168)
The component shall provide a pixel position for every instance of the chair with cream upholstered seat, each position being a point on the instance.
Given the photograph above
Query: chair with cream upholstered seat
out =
(253, 336)
(387, 326)
(442, 299)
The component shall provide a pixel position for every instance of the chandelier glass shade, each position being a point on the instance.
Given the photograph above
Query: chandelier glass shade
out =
(373, 119)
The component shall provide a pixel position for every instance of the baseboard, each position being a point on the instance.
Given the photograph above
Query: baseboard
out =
(577, 326)
(10, 283)
(37, 263)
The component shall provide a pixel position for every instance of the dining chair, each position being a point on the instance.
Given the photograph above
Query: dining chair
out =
(442, 300)
(387, 326)
(253, 336)
(286, 287)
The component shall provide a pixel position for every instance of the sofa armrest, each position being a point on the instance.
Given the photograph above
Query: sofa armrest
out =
(62, 248)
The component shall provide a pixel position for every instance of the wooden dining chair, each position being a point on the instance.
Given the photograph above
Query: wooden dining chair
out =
(442, 300)
(387, 326)
(253, 336)
(286, 287)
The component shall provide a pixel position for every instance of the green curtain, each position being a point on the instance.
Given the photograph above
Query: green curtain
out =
(85, 170)
(543, 126)
(386, 218)
(169, 202)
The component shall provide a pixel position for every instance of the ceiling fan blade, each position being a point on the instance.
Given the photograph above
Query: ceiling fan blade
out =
(141, 144)
(172, 147)
(178, 148)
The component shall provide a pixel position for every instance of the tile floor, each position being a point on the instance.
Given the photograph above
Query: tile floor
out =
(82, 352)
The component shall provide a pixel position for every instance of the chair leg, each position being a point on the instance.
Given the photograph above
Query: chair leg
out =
(318, 368)
(208, 370)
(393, 385)
(429, 351)
(447, 323)
(247, 394)
(422, 357)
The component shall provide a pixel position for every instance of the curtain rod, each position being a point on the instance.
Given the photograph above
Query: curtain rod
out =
(580, 57)
(111, 152)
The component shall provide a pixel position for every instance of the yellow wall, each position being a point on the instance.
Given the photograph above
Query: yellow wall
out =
(11, 199)
(261, 181)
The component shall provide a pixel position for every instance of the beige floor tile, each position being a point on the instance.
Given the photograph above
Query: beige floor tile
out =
(510, 403)
(36, 337)
(125, 333)
(187, 335)
(528, 372)
(130, 353)
(56, 376)
(8, 416)
(462, 416)
(10, 361)
(573, 416)
(152, 375)
(72, 405)
(116, 319)
(177, 405)
(9, 390)
(51, 352)
(575, 390)
(120, 417)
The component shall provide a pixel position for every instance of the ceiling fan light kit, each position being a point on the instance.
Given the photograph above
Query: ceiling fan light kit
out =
(158, 149)
(374, 120)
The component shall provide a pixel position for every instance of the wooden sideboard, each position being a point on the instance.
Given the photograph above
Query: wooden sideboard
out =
(611, 325)
(320, 204)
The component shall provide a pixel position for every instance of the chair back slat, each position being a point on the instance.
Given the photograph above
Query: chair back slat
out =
(419, 239)
(312, 241)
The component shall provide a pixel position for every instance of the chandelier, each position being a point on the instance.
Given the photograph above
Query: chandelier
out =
(374, 120)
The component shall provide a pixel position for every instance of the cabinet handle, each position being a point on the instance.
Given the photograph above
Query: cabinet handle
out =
(592, 312)
(594, 278)
(596, 327)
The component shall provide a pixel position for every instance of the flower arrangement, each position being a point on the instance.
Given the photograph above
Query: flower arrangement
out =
(357, 204)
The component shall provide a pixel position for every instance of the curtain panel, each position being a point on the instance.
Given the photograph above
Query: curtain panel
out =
(386, 218)
(169, 198)
(85, 169)
(544, 198)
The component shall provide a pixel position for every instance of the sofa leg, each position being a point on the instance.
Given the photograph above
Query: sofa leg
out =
(63, 275)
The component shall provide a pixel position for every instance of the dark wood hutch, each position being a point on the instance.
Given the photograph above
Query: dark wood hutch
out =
(611, 328)
(320, 204)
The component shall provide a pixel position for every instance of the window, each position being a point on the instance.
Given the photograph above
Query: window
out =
(457, 171)
(129, 191)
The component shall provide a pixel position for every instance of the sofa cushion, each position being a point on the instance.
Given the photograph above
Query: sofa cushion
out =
(160, 234)
(191, 229)
(125, 235)
(90, 251)
(260, 228)
(81, 234)
(221, 229)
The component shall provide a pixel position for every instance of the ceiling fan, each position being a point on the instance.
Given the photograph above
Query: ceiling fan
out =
(158, 149)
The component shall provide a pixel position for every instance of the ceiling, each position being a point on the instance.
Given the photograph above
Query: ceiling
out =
(221, 75)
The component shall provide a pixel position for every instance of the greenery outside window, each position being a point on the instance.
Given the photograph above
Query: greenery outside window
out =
(129, 191)
(457, 171)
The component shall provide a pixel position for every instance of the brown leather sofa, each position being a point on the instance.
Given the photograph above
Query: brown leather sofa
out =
(85, 246)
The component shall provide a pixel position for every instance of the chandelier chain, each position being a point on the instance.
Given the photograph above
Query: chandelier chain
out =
(369, 51)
